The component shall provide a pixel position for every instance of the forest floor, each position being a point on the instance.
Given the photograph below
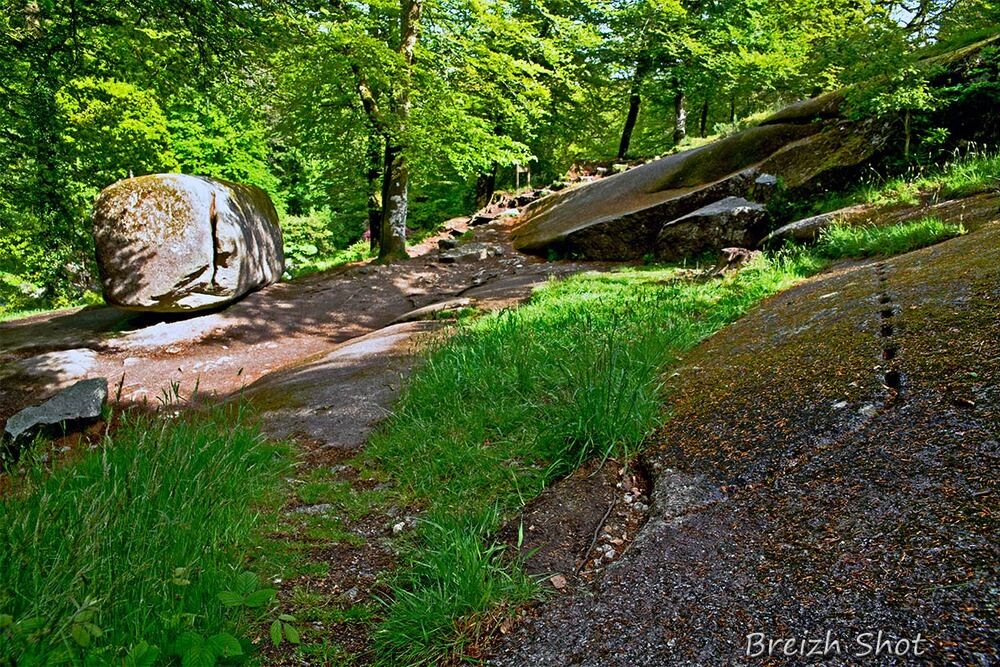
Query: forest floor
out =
(842, 501)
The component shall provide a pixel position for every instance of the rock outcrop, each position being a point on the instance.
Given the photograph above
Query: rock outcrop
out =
(172, 242)
(732, 221)
(805, 147)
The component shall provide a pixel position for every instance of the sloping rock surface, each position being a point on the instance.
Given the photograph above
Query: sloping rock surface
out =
(830, 465)
(172, 242)
(620, 217)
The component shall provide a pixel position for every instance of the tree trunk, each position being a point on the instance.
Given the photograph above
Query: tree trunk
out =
(680, 117)
(485, 186)
(732, 109)
(634, 101)
(395, 202)
(906, 131)
(397, 175)
(704, 118)
(375, 158)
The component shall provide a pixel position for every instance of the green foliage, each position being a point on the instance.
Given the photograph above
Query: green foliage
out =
(840, 241)
(111, 128)
(321, 240)
(147, 531)
(208, 142)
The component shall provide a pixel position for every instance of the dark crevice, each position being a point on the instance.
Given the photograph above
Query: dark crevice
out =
(893, 380)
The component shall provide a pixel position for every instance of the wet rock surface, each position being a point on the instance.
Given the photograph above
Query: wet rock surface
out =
(173, 242)
(830, 464)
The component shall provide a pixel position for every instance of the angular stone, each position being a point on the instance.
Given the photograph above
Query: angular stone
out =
(173, 242)
(808, 229)
(806, 148)
(81, 401)
(470, 252)
(733, 221)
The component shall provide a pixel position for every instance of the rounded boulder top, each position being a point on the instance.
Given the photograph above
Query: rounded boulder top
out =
(174, 242)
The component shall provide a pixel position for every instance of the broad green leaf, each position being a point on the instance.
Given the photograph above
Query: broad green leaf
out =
(260, 598)
(276, 633)
(230, 599)
(80, 635)
(291, 633)
(246, 583)
(188, 641)
(225, 645)
(199, 656)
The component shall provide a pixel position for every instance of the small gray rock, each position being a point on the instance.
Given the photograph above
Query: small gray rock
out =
(470, 252)
(447, 244)
(83, 400)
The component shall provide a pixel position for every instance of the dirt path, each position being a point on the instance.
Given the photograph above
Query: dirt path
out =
(283, 326)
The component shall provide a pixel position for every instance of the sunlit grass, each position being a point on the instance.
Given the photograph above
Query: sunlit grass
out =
(136, 537)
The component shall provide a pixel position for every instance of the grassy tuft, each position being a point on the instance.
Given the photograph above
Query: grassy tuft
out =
(840, 241)
(133, 541)
(455, 576)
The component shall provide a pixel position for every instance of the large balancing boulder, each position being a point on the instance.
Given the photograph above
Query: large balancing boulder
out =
(173, 242)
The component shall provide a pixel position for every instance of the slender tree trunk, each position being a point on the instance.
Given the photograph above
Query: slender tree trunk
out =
(634, 101)
(375, 158)
(680, 117)
(906, 132)
(485, 187)
(397, 174)
(704, 118)
(732, 109)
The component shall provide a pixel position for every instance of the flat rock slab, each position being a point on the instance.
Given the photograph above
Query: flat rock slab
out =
(81, 401)
(470, 252)
(337, 398)
(435, 310)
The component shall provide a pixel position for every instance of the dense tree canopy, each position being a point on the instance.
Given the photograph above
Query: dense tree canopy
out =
(364, 114)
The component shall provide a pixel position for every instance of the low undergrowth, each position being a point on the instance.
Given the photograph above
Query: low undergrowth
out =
(962, 176)
(133, 553)
(518, 398)
(868, 240)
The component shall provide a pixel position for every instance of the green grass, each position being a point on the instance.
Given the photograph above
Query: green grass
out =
(518, 398)
(100, 540)
(958, 178)
(355, 252)
(840, 241)
(961, 177)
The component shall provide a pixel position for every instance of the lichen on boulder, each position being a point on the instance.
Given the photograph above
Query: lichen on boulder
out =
(173, 242)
